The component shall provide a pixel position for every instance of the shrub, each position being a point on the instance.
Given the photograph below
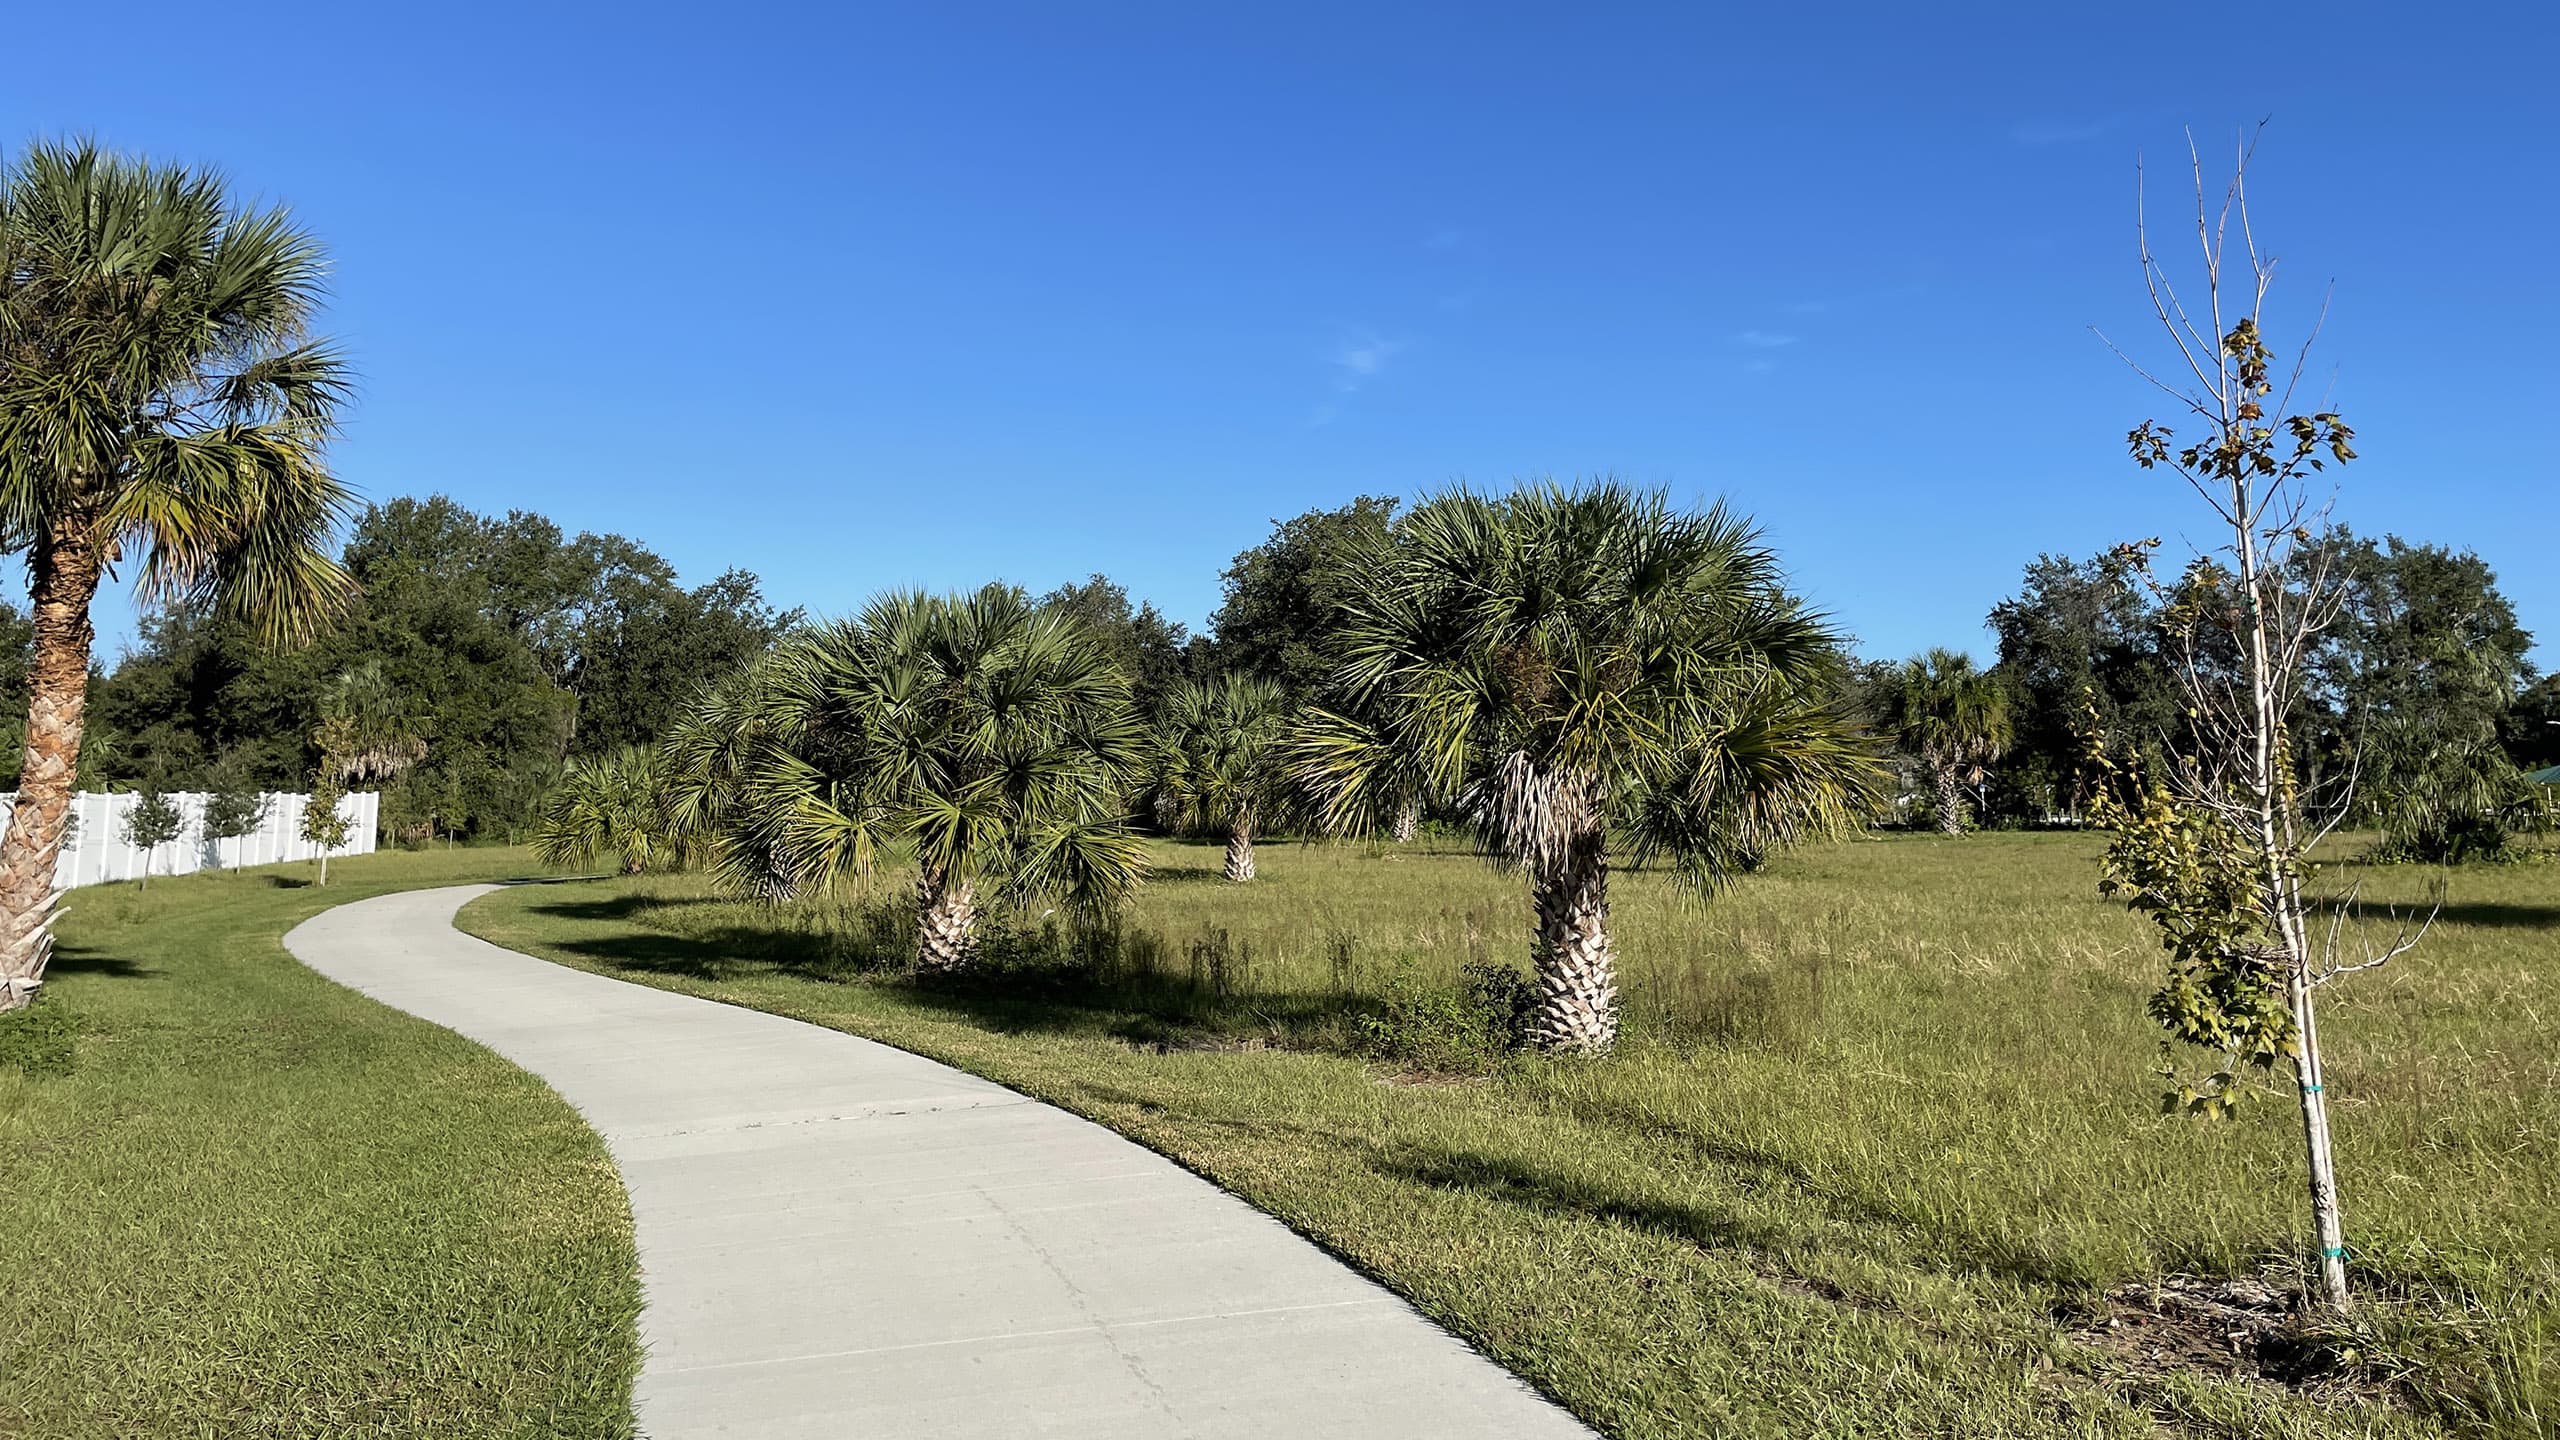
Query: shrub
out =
(1421, 1023)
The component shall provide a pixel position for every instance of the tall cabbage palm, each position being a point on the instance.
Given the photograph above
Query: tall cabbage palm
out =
(619, 804)
(993, 739)
(1955, 720)
(162, 403)
(1224, 763)
(1568, 662)
(366, 732)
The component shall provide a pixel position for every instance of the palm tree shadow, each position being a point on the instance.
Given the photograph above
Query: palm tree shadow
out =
(2486, 913)
(1185, 874)
(1519, 1182)
(658, 955)
(81, 960)
(1512, 1181)
(1126, 984)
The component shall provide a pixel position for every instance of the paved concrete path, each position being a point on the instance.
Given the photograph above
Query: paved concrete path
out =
(841, 1239)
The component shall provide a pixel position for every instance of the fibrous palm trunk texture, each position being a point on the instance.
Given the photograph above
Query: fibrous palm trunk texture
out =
(1951, 807)
(946, 922)
(1577, 974)
(66, 568)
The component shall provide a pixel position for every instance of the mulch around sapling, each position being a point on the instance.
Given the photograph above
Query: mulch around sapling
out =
(2230, 1329)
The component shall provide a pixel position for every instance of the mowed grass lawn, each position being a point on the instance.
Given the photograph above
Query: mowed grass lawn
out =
(258, 1204)
(1885, 1133)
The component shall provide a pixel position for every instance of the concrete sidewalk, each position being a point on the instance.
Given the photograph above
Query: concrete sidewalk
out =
(841, 1239)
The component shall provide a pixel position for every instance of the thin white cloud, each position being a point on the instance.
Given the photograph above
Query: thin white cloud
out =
(1765, 340)
(1360, 358)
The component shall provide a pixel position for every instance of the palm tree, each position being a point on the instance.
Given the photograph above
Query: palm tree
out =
(618, 804)
(1224, 762)
(993, 739)
(1564, 661)
(1955, 720)
(719, 742)
(159, 393)
(366, 731)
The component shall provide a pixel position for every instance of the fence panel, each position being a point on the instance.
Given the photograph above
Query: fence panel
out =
(95, 850)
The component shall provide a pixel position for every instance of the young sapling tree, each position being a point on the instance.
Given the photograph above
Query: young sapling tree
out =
(323, 827)
(2214, 845)
(154, 821)
(229, 814)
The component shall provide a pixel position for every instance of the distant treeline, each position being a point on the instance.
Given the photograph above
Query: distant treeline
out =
(508, 646)
(514, 648)
(2420, 686)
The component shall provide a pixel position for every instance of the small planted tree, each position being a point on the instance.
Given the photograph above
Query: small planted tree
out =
(1952, 718)
(151, 823)
(231, 813)
(323, 827)
(2214, 845)
(1224, 765)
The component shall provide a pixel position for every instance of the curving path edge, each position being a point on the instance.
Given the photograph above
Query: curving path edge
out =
(841, 1239)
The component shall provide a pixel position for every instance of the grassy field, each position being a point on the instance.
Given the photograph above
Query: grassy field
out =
(1883, 1142)
(244, 1202)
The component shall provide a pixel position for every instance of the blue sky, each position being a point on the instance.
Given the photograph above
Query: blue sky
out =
(857, 296)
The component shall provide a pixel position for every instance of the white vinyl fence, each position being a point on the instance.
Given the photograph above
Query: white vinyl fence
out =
(95, 849)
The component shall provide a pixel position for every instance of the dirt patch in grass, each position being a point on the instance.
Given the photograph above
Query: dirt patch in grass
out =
(2234, 1330)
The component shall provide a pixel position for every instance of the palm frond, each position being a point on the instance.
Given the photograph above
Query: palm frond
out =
(1561, 657)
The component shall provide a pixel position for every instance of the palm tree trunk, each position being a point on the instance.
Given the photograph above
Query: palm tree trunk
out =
(946, 922)
(1577, 977)
(1240, 849)
(1951, 807)
(1408, 821)
(66, 566)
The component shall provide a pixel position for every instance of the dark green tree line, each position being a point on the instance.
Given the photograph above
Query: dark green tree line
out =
(2419, 690)
(506, 647)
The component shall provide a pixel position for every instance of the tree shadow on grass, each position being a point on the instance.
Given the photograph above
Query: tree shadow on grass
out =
(2500, 914)
(610, 907)
(1129, 984)
(82, 960)
(655, 955)
(1510, 1180)
(1956, 1252)
(2493, 914)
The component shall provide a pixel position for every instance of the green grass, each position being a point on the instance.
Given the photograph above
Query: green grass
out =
(241, 1201)
(1885, 1133)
